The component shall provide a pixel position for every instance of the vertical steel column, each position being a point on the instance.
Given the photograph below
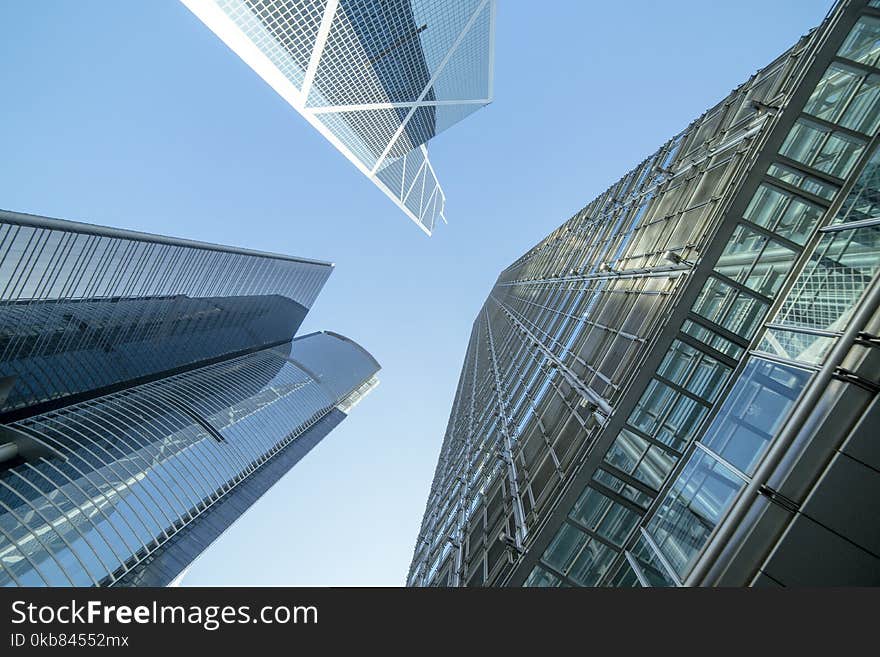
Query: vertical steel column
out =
(567, 374)
(507, 450)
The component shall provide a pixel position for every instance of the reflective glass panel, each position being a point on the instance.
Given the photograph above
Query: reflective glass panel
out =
(863, 43)
(754, 412)
(539, 577)
(692, 508)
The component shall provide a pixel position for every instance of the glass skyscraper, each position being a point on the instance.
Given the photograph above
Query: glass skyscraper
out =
(151, 389)
(377, 78)
(678, 386)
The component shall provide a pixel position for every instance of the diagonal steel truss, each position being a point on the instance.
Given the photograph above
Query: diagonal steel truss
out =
(420, 197)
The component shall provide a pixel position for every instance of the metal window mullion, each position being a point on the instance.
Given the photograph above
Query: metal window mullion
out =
(99, 508)
(27, 556)
(519, 514)
(71, 464)
(49, 527)
(70, 433)
(24, 267)
(183, 396)
(661, 558)
(181, 459)
(138, 447)
(197, 466)
(571, 379)
(436, 74)
(114, 462)
(47, 497)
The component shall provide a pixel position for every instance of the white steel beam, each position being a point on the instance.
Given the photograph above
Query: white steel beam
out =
(318, 49)
(419, 173)
(430, 84)
(326, 109)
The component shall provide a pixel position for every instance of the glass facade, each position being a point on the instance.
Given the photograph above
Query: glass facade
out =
(153, 389)
(378, 78)
(83, 308)
(629, 377)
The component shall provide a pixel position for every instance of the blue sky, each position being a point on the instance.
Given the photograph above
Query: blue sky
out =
(133, 114)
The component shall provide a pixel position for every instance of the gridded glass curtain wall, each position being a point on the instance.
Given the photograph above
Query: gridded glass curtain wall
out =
(678, 385)
(152, 390)
(378, 78)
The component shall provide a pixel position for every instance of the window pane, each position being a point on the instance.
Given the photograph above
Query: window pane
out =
(837, 275)
(693, 370)
(566, 544)
(692, 508)
(821, 148)
(678, 362)
(863, 202)
(626, 451)
(847, 96)
(807, 183)
(754, 412)
(592, 564)
(863, 113)
(708, 377)
(783, 213)
(681, 422)
(651, 567)
(833, 92)
(740, 254)
(590, 508)
(771, 269)
(804, 141)
(603, 515)
(624, 578)
(863, 43)
(755, 261)
(712, 339)
(542, 578)
(622, 488)
(654, 467)
(839, 155)
(652, 407)
(720, 303)
(793, 345)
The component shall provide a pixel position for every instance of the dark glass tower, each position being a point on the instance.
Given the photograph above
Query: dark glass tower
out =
(678, 386)
(151, 389)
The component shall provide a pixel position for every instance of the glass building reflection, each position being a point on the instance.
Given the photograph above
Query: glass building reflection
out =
(678, 386)
(377, 78)
(152, 390)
